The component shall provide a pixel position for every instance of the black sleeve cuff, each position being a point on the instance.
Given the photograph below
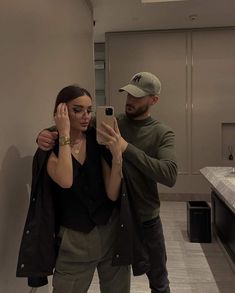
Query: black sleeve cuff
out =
(37, 281)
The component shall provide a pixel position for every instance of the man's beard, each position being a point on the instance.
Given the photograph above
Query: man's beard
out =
(138, 112)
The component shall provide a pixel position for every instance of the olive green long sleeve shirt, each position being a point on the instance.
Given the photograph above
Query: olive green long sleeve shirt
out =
(149, 159)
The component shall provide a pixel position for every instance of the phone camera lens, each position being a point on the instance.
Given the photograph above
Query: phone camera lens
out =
(109, 111)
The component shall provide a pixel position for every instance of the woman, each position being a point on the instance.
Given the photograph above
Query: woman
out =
(85, 189)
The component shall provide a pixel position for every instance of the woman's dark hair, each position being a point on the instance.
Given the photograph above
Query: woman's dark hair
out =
(70, 93)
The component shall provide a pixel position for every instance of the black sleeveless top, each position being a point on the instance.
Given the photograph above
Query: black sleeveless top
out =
(85, 204)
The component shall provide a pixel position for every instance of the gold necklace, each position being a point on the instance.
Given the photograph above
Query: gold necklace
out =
(76, 147)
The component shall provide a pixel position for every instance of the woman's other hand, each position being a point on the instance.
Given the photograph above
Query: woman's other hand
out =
(62, 121)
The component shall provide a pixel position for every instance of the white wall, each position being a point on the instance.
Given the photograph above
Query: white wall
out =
(197, 69)
(45, 45)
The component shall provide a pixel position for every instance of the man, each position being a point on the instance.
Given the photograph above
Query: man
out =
(149, 157)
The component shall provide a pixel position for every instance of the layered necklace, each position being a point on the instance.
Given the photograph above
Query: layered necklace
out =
(76, 145)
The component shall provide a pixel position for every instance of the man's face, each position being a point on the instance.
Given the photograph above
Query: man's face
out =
(138, 108)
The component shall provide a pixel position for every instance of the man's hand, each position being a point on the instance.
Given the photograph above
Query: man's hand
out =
(46, 139)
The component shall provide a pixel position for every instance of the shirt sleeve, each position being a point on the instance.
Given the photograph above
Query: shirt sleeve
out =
(162, 168)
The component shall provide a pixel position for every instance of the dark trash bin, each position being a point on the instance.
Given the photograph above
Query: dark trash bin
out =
(199, 221)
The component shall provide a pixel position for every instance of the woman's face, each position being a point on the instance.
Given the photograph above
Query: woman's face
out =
(80, 110)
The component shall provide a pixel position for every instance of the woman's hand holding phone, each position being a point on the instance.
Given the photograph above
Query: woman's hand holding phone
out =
(112, 138)
(108, 132)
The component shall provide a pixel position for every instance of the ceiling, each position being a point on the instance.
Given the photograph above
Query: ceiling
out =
(133, 15)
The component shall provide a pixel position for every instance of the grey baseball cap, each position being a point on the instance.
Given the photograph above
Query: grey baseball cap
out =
(143, 84)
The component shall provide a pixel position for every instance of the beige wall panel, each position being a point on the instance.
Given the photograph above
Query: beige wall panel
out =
(164, 54)
(197, 70)
(213, 100)
(45, 45)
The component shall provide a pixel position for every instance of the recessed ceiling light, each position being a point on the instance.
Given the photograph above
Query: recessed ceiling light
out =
(156, 1)
(193, 17)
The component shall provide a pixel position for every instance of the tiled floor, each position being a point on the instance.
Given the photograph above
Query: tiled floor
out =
(193, 267)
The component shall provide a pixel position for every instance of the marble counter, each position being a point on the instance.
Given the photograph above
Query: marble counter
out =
(223, 180)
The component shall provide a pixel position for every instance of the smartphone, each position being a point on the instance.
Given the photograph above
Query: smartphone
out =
(104, 114)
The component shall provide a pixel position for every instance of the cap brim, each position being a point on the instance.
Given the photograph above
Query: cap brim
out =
(133, 90)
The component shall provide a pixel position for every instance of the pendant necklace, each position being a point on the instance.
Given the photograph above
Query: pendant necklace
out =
(76, 147)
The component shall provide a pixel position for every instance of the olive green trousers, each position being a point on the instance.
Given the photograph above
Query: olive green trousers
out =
(81, 253)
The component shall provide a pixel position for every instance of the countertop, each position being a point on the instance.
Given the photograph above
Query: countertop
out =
(222, 179)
